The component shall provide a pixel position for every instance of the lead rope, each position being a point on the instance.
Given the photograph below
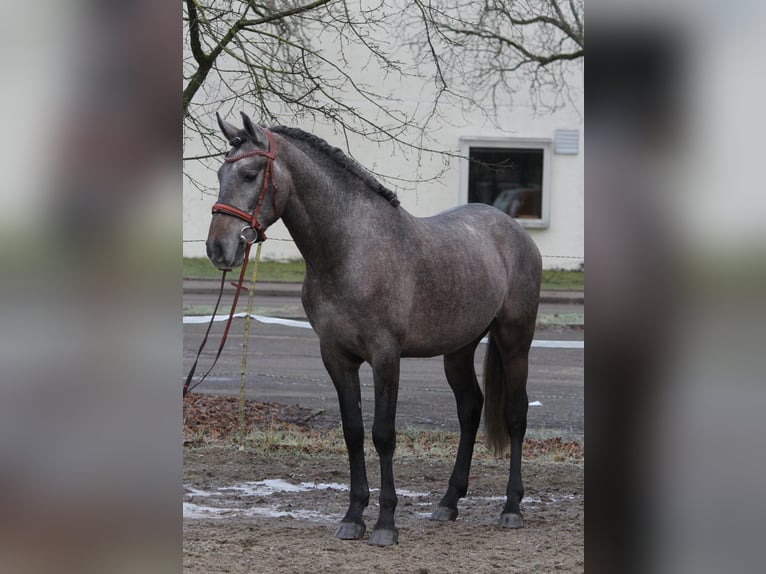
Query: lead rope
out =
(187, 388)
(187, 385)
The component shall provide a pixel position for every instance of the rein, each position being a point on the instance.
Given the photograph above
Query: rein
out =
(258, 237)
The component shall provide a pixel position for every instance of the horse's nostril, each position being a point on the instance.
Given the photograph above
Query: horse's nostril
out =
(220, 253)
(214, 251)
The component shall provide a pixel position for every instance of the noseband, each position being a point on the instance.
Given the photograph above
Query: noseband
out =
(268, 181)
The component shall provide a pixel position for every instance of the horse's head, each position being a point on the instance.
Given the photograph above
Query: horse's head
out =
(251, 196)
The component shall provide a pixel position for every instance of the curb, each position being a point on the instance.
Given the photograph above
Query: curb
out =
(268, 289)
(565, 297)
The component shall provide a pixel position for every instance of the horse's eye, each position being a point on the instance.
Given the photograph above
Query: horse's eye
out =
(250, 176)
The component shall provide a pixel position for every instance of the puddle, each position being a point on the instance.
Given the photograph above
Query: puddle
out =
(251, 499)
(196, 511)
(531, 500)
(274, 485)
(256, 499)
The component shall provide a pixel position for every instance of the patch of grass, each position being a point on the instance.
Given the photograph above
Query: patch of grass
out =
(430, 443)
(196, 438)
(199, 268)
(576, 320)
(283, 271)
(282, 436)
(560, 279)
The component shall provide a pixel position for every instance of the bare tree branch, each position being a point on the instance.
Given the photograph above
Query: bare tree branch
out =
(511, 45)
(194, 33)
(243, 23)
(345, 63)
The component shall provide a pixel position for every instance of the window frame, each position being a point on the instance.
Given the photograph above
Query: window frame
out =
(544, 144)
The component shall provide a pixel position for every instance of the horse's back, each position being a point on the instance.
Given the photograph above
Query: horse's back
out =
(484, 233)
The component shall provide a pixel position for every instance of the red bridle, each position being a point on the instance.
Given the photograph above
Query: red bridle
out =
(268, 181)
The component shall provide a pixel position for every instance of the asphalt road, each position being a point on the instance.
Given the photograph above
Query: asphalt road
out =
(284, 366)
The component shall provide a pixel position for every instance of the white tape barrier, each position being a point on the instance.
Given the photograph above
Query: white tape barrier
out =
(547, 344)
(539, 343)
(260, 318)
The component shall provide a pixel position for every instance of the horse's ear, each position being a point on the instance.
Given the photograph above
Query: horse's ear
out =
(253, 131)
(229, 131)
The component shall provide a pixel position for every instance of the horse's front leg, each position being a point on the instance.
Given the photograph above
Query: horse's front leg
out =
(386, 376)
(344, 372)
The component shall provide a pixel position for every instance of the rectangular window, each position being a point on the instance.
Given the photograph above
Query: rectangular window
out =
(511, 175)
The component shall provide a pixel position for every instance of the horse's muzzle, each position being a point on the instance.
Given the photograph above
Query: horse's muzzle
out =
(225, 254)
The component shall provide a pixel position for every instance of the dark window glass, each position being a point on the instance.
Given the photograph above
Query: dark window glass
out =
(510, 179)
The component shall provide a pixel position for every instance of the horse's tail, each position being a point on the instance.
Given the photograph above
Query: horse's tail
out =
(495, 425)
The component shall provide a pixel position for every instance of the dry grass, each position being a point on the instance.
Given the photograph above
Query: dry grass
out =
(410, 443)
(275, 427)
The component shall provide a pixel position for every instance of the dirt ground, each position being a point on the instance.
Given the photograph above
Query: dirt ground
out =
(263, 511)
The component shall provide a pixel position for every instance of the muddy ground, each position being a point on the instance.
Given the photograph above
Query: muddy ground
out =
(263, 511)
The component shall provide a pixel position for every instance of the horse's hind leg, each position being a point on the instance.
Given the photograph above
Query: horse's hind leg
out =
(345, 376)
(461, 375)
(512, 347)
(516, 406)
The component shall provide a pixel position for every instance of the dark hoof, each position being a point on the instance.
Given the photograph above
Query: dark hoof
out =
(381, 537)
(510, 520)
(444, 514)
(350, 531)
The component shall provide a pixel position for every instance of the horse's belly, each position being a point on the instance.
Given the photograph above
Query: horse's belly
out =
(450, 332)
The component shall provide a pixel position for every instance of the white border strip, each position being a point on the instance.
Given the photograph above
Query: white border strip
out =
(549, 344)
(195, 319)
(269, 320)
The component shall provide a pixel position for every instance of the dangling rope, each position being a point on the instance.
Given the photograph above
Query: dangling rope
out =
(189, 377)
(238, 285)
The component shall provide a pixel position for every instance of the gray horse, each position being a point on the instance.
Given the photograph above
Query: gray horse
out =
(382, 284)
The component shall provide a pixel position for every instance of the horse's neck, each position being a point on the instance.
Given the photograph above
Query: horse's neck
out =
(325, 214)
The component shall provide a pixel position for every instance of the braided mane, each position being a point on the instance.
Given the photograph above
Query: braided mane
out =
(337, 155)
